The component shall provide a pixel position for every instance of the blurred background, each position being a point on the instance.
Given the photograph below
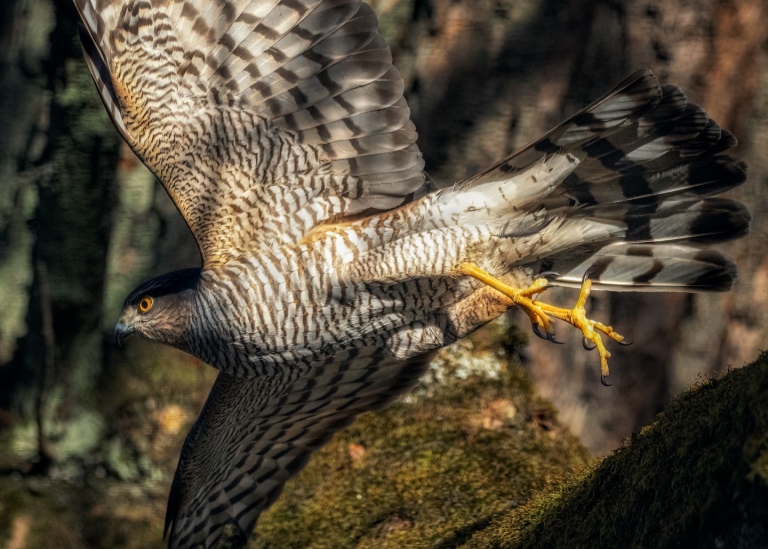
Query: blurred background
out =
(82, 222)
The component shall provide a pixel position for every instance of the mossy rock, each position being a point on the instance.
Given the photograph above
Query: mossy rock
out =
(449, 473)
(697, 477)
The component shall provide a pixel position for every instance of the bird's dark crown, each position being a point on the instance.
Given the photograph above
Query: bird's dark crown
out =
(167, 284)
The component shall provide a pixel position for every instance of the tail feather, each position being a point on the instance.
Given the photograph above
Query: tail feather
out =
(499, 202)
(706, 222)
(637, 202)
(705, 177)
(640, 141)
(629, 267)
(672, 149)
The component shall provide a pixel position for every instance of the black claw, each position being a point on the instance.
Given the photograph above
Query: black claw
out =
(537, 331)
(586, 343)
(626, 343)
(586, 276)
(605, 383)
(551, 337)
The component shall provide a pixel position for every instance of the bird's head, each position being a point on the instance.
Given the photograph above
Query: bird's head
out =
(159, 309)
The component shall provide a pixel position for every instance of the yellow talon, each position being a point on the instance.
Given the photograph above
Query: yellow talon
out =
(540, 313)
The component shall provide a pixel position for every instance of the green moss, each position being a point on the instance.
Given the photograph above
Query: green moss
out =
(696, 477)
(428, 471)
(432, 469)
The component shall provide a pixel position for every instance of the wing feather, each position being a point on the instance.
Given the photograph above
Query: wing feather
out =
(253, 435)
(101, 77)
(238, 104)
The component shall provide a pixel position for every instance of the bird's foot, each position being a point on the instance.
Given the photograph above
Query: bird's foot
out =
(541, 314)
(590, 329)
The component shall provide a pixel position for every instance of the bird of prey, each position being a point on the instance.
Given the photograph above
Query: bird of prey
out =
(331, 269)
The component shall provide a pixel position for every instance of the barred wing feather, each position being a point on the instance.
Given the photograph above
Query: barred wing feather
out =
(262, 118)
(255, 434)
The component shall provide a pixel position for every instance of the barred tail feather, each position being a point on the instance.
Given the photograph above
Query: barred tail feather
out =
(694, 222)
(640, 144)
(672, 150)
(647, 268)
(656, 250)
(637, 206)
(705, 221)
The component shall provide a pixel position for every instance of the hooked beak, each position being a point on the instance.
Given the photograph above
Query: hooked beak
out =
(122, 331)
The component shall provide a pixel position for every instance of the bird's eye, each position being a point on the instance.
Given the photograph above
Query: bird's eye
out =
(146, 304)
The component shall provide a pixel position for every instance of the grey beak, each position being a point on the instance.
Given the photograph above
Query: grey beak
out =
(122, 331)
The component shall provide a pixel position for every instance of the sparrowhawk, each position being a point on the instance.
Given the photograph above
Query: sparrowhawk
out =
(331, 269)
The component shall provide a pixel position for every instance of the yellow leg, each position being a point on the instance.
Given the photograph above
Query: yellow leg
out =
(540, 313)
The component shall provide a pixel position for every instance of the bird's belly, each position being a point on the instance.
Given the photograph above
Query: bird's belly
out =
(259, 326)
(256, 320)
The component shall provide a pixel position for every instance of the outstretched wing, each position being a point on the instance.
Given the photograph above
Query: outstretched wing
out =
(261, 118)
(254, 434)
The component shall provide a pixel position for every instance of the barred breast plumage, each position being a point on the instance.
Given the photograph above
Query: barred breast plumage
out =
(330, 269)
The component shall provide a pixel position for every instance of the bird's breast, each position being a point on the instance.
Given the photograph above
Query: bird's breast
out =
(269, 310)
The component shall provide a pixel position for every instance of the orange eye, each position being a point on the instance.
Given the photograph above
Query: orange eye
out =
(146, 304)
